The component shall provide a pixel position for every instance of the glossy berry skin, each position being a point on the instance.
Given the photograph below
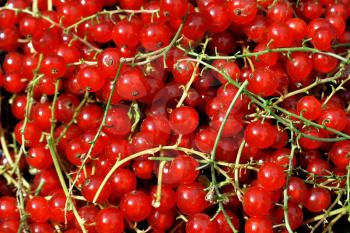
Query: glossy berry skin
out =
(88, 214)
(323, 63)
(89, 117)
(173, 9)
(184, 71)
(256, 202)
(259, 134)
(132, 85)
(74, 151)
(297, 26)
(41, 115)
(57, 208)
(66, 104)
(262, 82)
(183, 169)
(295, 215)
(339, 154)
(122, 181)
(231, 69)
(318, 167)
(242, 11)
(255, 30)
(167, 200)
(200, 223)
(90, 187)
(258, 225)
(158, 127)
(110, 220)
(322, 39)
(39, 157)
(155, 36)
(18, 106)
(265, 60)
(49, 179)
(271, 176)
(334, 118)
(217, 17)
(126, 32)
(136, 205)
(299, 67)
(184, 120)
(143, 168)
(8, 39)
(41, 227)
(90, 79)
(108, 61)
(297, 190)
(8, 208)
(14, 82)
(309, 107)
(31, 133)
(279, 32)
(190, 199)
(308, 143)
(195, 26)
(222, 224)
(38, 209)
(279, 12)
(205, 139)
(161, 220)
(53, 66)
(118, 122)
(317, 200)
(12, 62)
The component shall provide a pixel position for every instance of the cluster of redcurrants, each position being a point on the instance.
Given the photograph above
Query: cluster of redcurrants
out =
(173, 115)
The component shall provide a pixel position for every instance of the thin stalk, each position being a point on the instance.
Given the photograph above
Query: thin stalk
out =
(102, 124)
(194, 74)
(75, 115)
(56, 164)
(237, 162)
(156, 203)
(213, 153)
(285, 191)
(110, 13)
(35, 7)
(119, 163)
(322, 216)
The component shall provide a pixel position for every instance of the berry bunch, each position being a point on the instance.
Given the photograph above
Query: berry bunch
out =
(196, 116)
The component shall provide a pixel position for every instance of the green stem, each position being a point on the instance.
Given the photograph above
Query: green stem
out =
(237, 162)
(277, 50)
(29, 103)
(49, 5)
(156, 203)
(102, 124)
(151, 56)
(229, 109)
(35, 7)
(285, 191)
(110, 13)
(339, 87)
(213, 153)
(194, 74)
(138, 154)
(56, 164)
(75, 115)
(322, 216)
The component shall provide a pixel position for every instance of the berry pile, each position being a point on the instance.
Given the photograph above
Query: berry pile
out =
(196, 116)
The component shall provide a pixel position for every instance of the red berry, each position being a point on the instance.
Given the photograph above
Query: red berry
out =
(136, 205)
